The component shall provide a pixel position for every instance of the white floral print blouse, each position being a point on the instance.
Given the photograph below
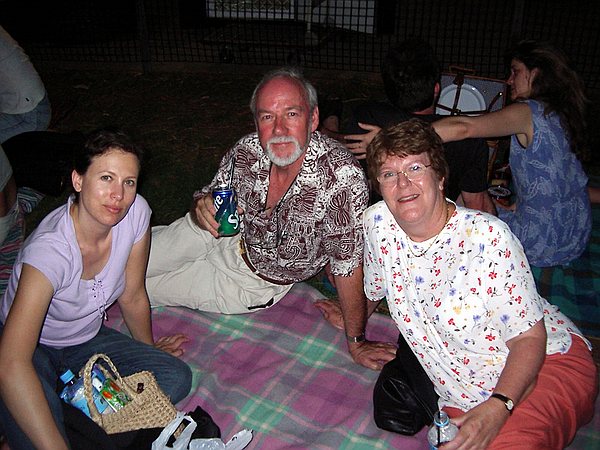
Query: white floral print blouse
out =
(460, 302)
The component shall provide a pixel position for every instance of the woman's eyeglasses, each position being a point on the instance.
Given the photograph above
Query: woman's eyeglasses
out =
(414, 172)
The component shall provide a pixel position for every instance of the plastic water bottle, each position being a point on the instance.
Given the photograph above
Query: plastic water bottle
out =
(441, 431)
(73, 393)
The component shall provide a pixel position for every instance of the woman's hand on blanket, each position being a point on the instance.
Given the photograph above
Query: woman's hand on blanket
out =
(172, 344)
(372, 354)
(331, 312)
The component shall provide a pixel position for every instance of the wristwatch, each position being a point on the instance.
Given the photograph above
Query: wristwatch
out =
(356, 339)
(508, 403)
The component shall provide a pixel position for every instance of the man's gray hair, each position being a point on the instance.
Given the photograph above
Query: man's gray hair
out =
(310, 92)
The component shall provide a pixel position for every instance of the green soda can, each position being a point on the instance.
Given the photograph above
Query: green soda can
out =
(225, 202)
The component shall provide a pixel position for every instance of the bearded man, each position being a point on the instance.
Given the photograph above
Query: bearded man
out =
(301, 196)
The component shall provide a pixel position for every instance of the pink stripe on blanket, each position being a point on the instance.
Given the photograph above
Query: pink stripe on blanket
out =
(283, 372)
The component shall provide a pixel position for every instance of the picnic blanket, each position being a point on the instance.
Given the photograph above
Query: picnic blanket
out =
(575, 287)
(28, 199)
(285, 373)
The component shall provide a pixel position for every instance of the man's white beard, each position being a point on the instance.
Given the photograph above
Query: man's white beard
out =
(284, 161)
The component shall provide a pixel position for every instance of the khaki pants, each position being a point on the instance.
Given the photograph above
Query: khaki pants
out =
(189, 267)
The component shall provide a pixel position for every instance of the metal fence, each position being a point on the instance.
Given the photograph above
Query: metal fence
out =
(346, 35)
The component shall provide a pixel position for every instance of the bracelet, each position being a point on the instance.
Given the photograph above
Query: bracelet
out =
(356, 339)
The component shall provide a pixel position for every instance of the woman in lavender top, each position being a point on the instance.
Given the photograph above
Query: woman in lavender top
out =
(83, 257)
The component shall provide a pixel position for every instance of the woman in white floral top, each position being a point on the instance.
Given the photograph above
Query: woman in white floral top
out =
(510, 369)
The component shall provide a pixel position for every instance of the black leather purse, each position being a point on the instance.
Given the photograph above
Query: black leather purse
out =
(404, 400)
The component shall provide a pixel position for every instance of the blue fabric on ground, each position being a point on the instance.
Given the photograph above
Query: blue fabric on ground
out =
(575, 287)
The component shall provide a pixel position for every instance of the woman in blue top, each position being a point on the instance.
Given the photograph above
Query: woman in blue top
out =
(552, 213)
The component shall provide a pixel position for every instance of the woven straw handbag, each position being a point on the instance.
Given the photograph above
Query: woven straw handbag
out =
(149, 407)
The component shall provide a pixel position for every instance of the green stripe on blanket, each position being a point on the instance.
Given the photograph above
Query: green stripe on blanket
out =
(574, 288)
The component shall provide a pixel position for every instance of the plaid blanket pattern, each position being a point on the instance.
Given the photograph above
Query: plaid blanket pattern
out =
(574, 288)
(285, 373)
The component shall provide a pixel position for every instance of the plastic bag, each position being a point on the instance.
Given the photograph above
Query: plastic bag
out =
(237, 442)
(182, 442)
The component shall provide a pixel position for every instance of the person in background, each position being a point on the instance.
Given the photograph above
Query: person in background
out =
(510, 369)
(411, 77)
(24, 104)
(82, 257)
(302, 196)
(9, 207)
(594, 193)
(551, 215)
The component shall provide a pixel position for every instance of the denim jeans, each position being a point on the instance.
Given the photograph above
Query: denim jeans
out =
(129, 356)
(37, 119)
